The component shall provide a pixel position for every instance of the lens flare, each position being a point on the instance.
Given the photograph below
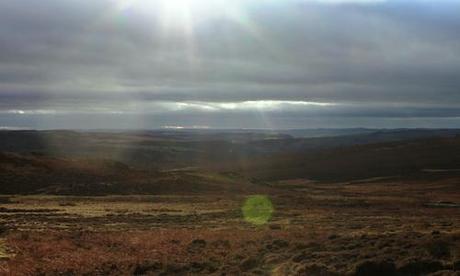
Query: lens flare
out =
(257, 209)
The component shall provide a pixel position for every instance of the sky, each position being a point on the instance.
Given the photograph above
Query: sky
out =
(129, 64)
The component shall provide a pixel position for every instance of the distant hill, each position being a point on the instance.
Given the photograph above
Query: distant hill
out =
(423, 158)
(400, 133)
(82, 163)
(170, 149)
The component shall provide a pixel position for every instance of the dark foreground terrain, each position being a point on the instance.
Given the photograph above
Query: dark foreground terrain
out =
(368, 208)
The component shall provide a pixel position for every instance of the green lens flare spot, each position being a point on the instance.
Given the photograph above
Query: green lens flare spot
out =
(257, 209)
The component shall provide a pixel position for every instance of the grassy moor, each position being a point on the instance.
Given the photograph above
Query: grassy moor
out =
(367, 208)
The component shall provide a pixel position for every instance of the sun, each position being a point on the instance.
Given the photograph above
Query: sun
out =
(178, 6)
(174, 13)
(178, 13)
(180, 21)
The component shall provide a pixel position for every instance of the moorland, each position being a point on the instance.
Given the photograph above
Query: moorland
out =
(230, 202)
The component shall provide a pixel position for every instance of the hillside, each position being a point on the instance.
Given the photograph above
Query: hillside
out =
(94, 166)
(165, 150)
(33, 174)
(431, 157)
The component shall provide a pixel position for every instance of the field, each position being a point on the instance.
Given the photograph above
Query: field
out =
(362, 228)
(388, 208)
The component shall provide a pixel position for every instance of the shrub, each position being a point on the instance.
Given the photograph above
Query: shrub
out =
(375, 268)
(420, 267)
(439, 249)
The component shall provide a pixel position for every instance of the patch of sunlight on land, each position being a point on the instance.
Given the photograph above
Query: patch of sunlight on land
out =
(102, 206)
(257, 209)
(3, 254)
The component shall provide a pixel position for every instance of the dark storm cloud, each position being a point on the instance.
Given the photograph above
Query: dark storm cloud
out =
(371, 59)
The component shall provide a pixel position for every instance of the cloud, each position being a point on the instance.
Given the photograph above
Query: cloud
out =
(367, 58)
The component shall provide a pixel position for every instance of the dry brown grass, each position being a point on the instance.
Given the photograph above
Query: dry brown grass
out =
(260, 251)
(316, 229)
